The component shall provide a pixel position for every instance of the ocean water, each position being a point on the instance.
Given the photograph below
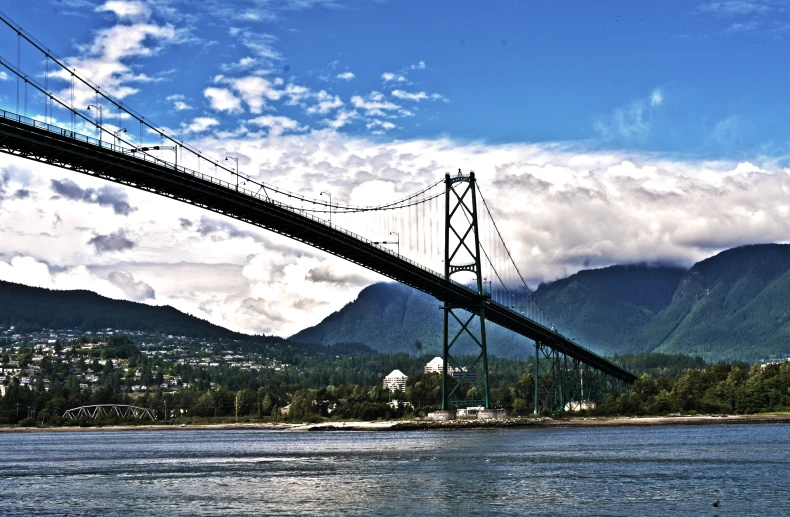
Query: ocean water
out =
(680, 470)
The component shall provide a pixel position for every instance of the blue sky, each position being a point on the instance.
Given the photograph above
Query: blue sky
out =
(702, 79)
(603, 132)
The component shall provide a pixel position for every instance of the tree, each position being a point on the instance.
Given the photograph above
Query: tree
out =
(245, 401)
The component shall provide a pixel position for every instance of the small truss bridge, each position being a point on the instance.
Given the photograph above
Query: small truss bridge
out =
(111, 410)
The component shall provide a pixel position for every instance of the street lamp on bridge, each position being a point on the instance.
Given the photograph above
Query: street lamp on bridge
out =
(330, 205)
(157, 148)
(117, 134)
(236, 170)
(99, 124)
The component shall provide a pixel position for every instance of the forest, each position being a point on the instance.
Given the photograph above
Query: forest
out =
(349, 387)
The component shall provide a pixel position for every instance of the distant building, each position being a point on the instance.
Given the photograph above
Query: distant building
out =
(395, 381)
(435, 366)
(583, 405)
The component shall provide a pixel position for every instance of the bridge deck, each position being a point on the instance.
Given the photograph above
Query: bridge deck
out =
(57, 146)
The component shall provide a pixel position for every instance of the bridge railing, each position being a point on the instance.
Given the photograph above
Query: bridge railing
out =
(127, 151)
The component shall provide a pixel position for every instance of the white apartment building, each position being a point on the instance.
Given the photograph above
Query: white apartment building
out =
(395, 381)
(435, 366)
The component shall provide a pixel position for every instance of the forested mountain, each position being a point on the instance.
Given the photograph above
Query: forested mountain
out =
(601, 308)
(391, 317)
(33, 308)
(733, 306)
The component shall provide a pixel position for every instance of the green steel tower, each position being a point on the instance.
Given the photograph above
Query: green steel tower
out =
(464, 377)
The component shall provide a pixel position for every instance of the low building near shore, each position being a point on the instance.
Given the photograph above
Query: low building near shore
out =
(583, 405)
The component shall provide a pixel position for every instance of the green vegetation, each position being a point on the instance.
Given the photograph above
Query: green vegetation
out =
(719, 388)
(348, 387)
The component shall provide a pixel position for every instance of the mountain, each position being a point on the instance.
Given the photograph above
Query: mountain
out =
(602, 308)
(33, 308)
(733, 306)
(391, 317)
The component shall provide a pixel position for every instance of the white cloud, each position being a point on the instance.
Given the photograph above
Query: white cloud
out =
(736, 7)
(409, 96)
(222, 99)
(126, 10)
(326, 103)
(389, 76)
(589, 207)
(200, 124)
(342, 118)
(419, 66)
(276, 124)
(379, 127)
(633, 120)
(374, 104)
(104, 59)
(346, 76)
(255, 91)
(656, 98)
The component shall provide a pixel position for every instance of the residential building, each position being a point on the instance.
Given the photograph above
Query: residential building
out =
(395, 381)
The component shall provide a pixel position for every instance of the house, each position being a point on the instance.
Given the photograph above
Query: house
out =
(395, 381)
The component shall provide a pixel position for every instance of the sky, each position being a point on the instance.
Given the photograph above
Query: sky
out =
(606, 132)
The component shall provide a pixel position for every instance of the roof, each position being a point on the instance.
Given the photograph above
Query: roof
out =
(396, 374)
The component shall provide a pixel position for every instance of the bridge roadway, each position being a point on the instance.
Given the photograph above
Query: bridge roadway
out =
(34, 140)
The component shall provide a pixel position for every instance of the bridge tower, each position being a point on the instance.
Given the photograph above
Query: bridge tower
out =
(465, 373)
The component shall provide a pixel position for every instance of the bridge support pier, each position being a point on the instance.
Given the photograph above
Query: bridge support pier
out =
(464, 374)
(563, 383)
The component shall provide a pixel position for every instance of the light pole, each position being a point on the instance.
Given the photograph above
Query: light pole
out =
(157, 148)
(118, 134)
(97, 108)
(397, 236)
(330, 205)
(237, 169)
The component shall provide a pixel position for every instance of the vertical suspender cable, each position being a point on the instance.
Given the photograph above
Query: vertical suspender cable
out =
(18, 66)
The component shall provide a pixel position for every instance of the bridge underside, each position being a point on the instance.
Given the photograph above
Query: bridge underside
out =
(56, 146)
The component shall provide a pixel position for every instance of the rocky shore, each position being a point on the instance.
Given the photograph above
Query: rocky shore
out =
(429, 425)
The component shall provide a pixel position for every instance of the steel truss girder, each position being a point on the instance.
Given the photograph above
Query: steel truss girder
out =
(119, 410)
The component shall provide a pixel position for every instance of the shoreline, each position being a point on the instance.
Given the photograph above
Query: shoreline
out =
(429, 425)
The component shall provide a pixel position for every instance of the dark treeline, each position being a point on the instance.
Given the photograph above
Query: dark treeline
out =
(328, 384)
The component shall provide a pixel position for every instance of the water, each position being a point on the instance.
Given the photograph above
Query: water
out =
(598, 471)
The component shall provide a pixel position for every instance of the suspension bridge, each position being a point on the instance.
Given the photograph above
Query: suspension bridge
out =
(442, 240)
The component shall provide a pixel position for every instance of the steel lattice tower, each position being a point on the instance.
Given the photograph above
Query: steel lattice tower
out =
(462, 254)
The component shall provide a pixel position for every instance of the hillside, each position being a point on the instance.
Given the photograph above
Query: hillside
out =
(734, 305)
(391, 317)
(603, 308)
(33, 308)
